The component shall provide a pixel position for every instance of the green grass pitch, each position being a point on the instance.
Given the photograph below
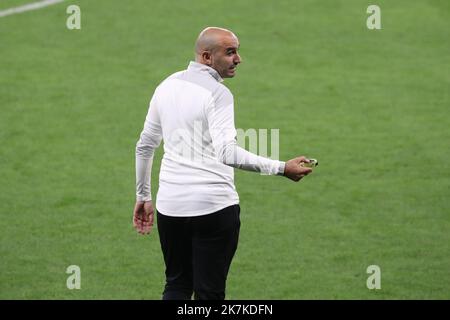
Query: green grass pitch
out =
(371, 105)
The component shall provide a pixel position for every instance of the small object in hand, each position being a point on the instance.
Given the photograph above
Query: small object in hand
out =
(312, 163)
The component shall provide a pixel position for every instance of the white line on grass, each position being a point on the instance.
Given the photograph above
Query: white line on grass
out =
(28, 7)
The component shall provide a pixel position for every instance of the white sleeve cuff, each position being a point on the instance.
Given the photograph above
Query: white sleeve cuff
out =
(143, 177)
(281, 168)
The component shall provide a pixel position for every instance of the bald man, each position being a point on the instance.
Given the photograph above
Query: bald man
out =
(197, 204)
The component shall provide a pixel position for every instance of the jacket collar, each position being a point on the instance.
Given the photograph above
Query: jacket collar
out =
(200, 67)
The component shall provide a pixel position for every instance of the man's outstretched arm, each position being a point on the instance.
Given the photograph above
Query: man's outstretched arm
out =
(220, 115)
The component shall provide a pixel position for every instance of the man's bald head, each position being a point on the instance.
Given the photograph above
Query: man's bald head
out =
(211, 38)
(217, 48)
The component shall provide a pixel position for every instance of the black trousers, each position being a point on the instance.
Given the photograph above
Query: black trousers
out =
(198, 252)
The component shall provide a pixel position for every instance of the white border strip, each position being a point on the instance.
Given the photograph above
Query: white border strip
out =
(28, 7)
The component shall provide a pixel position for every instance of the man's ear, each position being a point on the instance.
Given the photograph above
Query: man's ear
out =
(206, 56)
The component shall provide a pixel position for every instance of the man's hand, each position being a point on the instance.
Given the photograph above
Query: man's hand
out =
(294, 169)
(143, 217)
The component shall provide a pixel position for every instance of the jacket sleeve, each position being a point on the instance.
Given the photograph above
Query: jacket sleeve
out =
(148, 142)
(220, 117)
